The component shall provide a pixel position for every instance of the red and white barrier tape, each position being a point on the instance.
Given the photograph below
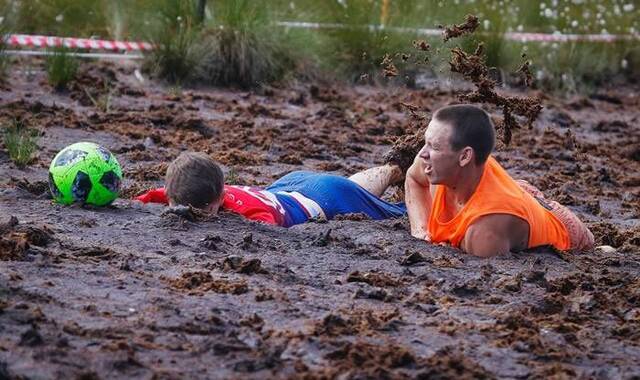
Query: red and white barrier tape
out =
(75, 54)
(75, 43)
(24, 40)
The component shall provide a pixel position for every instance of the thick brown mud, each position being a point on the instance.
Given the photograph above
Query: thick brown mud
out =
(132, 291)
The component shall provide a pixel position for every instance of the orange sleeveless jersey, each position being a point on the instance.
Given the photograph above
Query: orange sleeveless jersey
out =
(497, 193)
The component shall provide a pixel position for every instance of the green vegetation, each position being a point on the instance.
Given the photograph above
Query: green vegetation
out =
(61, 68)
(358, 49)
(247, 48)
(239, 44)
(5, 28)
(180, 50)
(101, 99)
(20, 142)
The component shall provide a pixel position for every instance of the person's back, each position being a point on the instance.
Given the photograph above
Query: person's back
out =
(195, 179)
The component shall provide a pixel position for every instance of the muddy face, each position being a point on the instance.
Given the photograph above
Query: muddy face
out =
(441, 162)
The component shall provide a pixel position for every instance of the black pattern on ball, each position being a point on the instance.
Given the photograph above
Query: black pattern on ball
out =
(81, 187)
(70, 156)
(105, 154)
(53, 187)
(111, 181)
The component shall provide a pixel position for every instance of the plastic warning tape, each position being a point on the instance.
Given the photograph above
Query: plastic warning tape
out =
(34, 41)
(75, 43)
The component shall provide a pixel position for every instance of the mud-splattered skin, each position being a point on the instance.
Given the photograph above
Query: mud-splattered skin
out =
(129, 292)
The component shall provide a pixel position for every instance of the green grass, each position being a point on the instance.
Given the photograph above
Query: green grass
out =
(356, 51)
(247, 49)
(61, 68)
(5, 28)
(102, 99)
(238, 45)
(180, 50)
(20, 142)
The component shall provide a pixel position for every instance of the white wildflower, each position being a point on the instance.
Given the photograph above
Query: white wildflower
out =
(628, 7)
(574, 23)
(59, 18)
(624, 64)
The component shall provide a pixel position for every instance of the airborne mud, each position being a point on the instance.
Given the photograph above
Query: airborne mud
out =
(133, 291)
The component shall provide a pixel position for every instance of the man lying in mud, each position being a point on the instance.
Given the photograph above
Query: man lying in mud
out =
(195, 179)
(457, 193)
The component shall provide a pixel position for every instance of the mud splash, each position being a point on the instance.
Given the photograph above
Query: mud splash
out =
(469, 26)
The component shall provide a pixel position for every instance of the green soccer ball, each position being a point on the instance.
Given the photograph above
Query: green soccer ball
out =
(85, 173)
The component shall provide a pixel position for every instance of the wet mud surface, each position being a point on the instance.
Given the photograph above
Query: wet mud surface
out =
(133, 291)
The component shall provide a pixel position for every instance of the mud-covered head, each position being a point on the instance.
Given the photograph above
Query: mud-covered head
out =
(195, 179)
(458, 137)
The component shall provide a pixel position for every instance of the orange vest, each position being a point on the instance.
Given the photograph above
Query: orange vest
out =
(497, 193)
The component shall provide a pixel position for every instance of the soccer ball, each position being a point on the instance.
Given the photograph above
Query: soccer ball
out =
(85, 173)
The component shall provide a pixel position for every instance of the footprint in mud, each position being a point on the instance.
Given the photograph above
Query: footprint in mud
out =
(201, 282)
(366, 360)
(16, 240)
(95, 253)
(377, 279)
(378, 294)
(37, 189)
(357, 321)
(244, 266)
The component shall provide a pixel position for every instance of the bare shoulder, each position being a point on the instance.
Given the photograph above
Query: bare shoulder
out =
(497, 223)
(496, 234)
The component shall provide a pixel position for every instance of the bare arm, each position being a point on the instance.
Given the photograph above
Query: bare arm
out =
(418, 199)
(495, 234)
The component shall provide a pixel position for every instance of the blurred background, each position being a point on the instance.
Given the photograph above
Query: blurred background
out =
(246, 43)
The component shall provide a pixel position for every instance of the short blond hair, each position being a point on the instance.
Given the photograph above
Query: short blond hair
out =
(194, 179)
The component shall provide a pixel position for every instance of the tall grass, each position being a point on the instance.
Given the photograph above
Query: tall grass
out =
(20, 142)
(61, 68)
(244, 48)
(5, 28)
(177, 36)
(358, 49)
(239, 46)
(247, 48)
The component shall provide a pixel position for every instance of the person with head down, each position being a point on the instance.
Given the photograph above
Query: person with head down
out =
(194, 179)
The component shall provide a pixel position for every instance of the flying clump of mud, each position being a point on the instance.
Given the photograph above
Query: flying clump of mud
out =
(474, 69)
(526, 72)
(469, 26)
(389, 68)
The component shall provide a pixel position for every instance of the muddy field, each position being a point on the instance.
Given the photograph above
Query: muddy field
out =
(132, 291)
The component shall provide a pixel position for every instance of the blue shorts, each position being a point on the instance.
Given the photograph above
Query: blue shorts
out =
(336, 195)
